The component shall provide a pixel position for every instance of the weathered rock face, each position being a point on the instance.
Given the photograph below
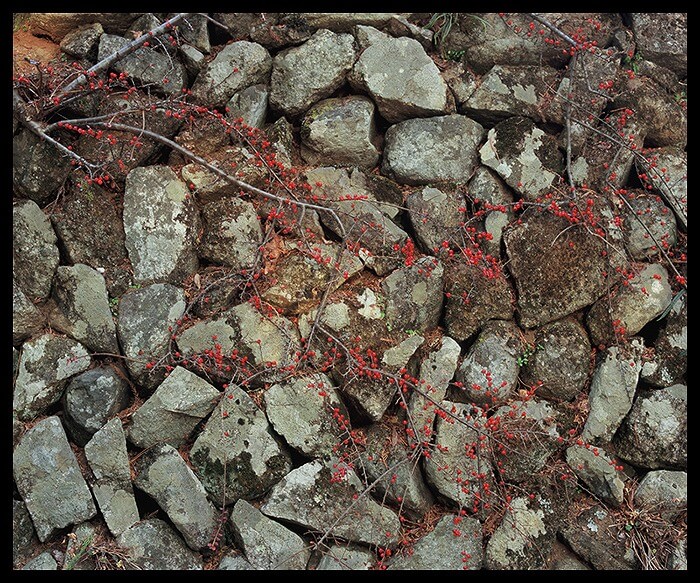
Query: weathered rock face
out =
(663, 38)
(595, 469)
(649, 226)
(673, 184)
(436, 216)
(669, 363)
(250, 105)
(663, 490)
(23, 534)
(26, 318)
(154, 545)
(346, 558)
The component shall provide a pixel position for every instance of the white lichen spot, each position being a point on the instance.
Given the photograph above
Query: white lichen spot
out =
(371, 308)
(526, 94)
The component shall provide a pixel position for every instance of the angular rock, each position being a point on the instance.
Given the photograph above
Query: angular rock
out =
(302, 412)
(266, 543)
(42, 562)
(174, 410)
(23, 535)
(339, 21)
(634, 305)
(49, 480)
(82, 42)
(26, 318)
(523, 155)
(436, 216)
(669, 364)
(165, 476)
(78, 555)
(153, 545)
(237, 445)
(235, 562)
(312, 71)
(522, 539)
(250, 104)
(399, 25)
(46, 363)
(319, 496)
(109, 461)
(411, 87)
(340, 131)
(38, 170)
(506, 91)
(557, 270)
(663, 491)
(83, 306)
(414, 296)
(598, 472)
(488, 191)
(34, 251)
(475, 294)
(346, 558)
(442, 148)
(558, 359)
(144, 324)
(663, 38)
(91, 399)
(195, 31)
(564, 559)
(161, 224)
(192, 59)
(489, 372)
(654, 434)
(649, 225)
(673, 184)
(612, 391)
(454, 544)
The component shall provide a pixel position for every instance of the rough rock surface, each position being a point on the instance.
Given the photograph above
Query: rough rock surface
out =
(37, 172)
(595, 469)
(26, 318)
(436, 216)
(153, 545)
(664, 491)
(346, 558)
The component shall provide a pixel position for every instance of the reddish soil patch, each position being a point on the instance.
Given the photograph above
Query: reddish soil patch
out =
(27, 46)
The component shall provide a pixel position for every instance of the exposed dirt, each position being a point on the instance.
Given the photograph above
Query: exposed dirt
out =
(27, 46)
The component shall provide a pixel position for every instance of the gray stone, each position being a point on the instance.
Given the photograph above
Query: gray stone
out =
(161, 225)
(339, 21)
(454, 544)
(654, 434)
(649, 225)
(174, 410)
(109, 461)
(678, 561)
(663, 38)
(82, 42)
(232, 233)
(42, 562)
(277, 31)
(328, 497)
(250, 105)
(558, 358)
(153, 545)
(414, 296)
(669, 363)
(506, 91)
(194, 30)
(441, 148)
(49, 480)
(27, 320)
(612, 391)
(83, 306)
(165, 476)
(236, 455)
(46, 363)
(489, 372)
(523, 155)
(436, 216)
(192, 59)
(663, 491)
(449, 469)
(146, 66)
(237, 66)
(557, 270)
(597, 471)
(91, 399)
(312, 71)
(266, 543)
(672, 184)
(634, 305)
(564, 559)
(38, 170)
(522, 539)
(411, 87)
(23, 535)
(399, 25)
(235, 562)
(346, 558)
(80, 542)
(144, 324)
(34, 251)
(302, 412)
(340, 131)
(476, 293)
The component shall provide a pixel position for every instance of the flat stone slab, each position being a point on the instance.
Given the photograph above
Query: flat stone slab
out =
(153, 545)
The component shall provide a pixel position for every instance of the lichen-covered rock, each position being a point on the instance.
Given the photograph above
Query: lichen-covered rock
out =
(488, 190)
(312, 71)
(442, 148)
(523, 155)
(595, 468)
(194, 30)
(673, 184)
(109, 461)
(563, 558)
(153, 545)
(26, 317)
(170, 415)
(146, 317)
(83, 42)
(654, 434)
(165, 476)
(663, 491)
(192, 59)
(161, 224)
(558, 359)
(663, 38)
(42, 562)
(412, 87)
(669, 363)
(91, 399)
(250, 104)
(612, 391)
(46, 363)
(34, 251)
(340, 131)
(23, 535)
(346, 558)
(83, 306)
(436, 215)
(49, 479)
(649, 225)
(235, 562)
(329, 497)
(236, 455)
(266, 543)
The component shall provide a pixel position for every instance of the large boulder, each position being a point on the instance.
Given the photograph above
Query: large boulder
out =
(663, 39)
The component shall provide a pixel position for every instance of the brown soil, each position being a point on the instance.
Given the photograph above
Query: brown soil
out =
(27, 46)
